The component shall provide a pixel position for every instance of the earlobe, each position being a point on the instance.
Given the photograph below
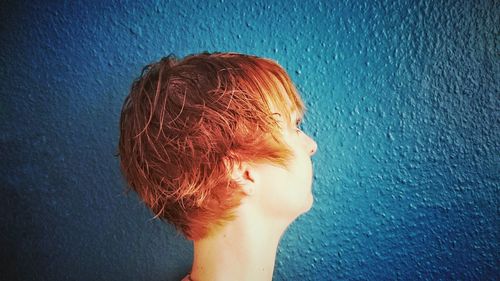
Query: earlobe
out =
(248, 189)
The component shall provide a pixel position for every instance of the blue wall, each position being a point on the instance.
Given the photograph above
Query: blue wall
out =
(403, 101)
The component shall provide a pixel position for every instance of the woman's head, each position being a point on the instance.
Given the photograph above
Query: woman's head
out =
(187, 122)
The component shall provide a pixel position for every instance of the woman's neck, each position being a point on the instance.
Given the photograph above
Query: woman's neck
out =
(242, 250)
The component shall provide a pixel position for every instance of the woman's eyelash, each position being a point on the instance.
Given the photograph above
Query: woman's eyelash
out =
(298, 124)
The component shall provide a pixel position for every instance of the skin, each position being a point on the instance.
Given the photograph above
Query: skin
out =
(290, 186)
(245, 248)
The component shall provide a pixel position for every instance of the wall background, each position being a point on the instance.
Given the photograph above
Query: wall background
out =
(403, 101)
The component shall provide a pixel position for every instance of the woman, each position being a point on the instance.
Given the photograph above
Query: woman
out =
(212, 144)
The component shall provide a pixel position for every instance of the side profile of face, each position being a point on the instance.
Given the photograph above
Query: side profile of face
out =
(190, 129)
(287, 191)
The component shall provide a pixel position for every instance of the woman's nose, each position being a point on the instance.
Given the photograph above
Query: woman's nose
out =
(312, 146)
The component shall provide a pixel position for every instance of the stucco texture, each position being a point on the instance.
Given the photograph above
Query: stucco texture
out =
(403, 101)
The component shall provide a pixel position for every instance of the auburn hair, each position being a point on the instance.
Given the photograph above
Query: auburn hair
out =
(186, 123)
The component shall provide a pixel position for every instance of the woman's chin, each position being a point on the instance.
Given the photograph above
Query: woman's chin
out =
(309, 203)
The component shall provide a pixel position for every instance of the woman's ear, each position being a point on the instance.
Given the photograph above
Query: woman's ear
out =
(245, 176)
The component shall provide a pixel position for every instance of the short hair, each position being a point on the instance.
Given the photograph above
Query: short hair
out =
(186, 123)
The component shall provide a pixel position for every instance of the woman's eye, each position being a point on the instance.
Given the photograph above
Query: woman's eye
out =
(298, 124)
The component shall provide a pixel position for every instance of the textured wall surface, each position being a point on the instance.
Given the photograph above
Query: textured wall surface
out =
(404, 102)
